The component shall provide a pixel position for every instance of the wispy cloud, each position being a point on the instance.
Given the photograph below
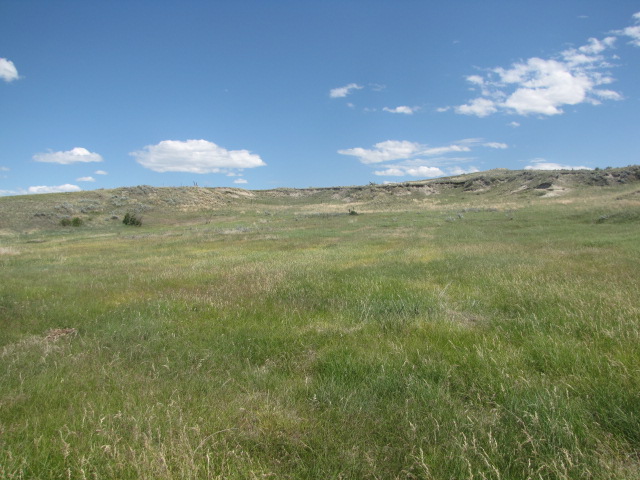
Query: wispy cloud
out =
(194, 156)
(633, 31)
(341, 92)
(240, 181)
(404, 158)
(8, 71)
(461, 171)
(54, 189)
(402, 109)
(75, 155)
(542, 164)
(100, 172)
(85, 179)
(497, 145)
(544, 86)
(399, 150)
(422, 171)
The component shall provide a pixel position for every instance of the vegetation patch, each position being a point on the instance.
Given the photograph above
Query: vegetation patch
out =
(429, 337)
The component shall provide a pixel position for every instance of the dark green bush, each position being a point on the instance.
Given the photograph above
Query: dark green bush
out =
(132, 219)
(72, 222)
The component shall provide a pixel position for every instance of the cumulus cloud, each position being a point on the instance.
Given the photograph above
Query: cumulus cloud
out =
(545, 86)
(402, 109)
(341, 92)
(85, 179)
(8, 71)
(75, 155)
(194, 156)
(54, 189)
(542, 164)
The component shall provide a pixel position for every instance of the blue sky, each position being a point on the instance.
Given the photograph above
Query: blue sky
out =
(264, 94)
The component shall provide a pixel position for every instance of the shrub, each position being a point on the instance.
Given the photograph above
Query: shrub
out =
(132, 219)
(72, 222)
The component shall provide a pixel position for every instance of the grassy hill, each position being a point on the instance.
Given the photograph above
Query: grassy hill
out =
(105, 207)
(484, 327)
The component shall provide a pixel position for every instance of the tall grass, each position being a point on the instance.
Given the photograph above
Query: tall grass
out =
(393, 344)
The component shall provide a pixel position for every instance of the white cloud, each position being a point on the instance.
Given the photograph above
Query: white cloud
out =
(443, 109)
(75, 155)
(480, 107)
(8, 71)
(85, 179)
(344, 91)
(542, 164)
(240, 181)
(402, 109)
(4, 169)
(384, 151)
(514, 124)
(544, 86)
(57, 189)
(475, 79)
(403, 171)
(194, 156)
(495, 145)
(395, 158)
(633, 31)
(399, 150)
(100, 172)
(462, 171)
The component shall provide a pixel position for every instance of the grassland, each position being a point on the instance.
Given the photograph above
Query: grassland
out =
(466, 336)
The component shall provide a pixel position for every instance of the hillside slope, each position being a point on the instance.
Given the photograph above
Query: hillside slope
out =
(100, 207)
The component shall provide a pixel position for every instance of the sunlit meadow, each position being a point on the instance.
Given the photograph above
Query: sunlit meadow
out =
(449, 339)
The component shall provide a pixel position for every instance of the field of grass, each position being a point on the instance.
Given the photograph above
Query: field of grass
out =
(429, 340)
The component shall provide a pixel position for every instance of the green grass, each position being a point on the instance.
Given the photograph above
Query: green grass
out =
(416, 340)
